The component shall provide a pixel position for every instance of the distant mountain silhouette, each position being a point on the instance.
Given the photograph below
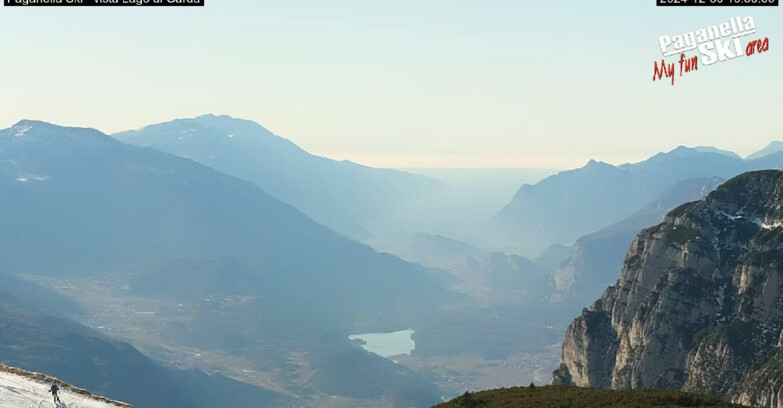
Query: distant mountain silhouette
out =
(713, 149)
(438, 251)
(768, 162)
(338, 194)
(772, 148)
(81, 203)
(573, 203)
(506, 277)
(519, 274)
(553, 256)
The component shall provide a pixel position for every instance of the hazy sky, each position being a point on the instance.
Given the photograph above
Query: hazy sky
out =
(457, 83)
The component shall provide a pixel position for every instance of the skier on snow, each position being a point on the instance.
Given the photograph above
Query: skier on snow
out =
(54, 390)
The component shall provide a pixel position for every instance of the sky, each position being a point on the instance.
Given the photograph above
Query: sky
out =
(458, 83)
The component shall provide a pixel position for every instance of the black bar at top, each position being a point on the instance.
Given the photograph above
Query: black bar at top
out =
(717, 3)
(103, 3)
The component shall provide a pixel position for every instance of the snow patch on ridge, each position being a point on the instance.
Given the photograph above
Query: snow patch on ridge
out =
(31, 178)
(22, 130)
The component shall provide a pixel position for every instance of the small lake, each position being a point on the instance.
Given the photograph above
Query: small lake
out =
(387, 344)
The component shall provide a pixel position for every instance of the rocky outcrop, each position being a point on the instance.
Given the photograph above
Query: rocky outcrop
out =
(698, 305)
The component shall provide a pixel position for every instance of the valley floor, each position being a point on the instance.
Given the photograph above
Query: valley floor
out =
(452, 354)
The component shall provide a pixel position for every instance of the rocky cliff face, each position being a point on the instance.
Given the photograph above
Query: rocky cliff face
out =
(699, 303)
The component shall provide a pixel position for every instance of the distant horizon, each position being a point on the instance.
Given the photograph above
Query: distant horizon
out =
(401, 84)
(435, 162)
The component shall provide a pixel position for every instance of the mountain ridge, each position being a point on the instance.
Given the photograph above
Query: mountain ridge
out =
(574, 203)
(339, 194)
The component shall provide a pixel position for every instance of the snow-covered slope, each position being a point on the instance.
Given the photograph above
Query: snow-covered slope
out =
(19, 389)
